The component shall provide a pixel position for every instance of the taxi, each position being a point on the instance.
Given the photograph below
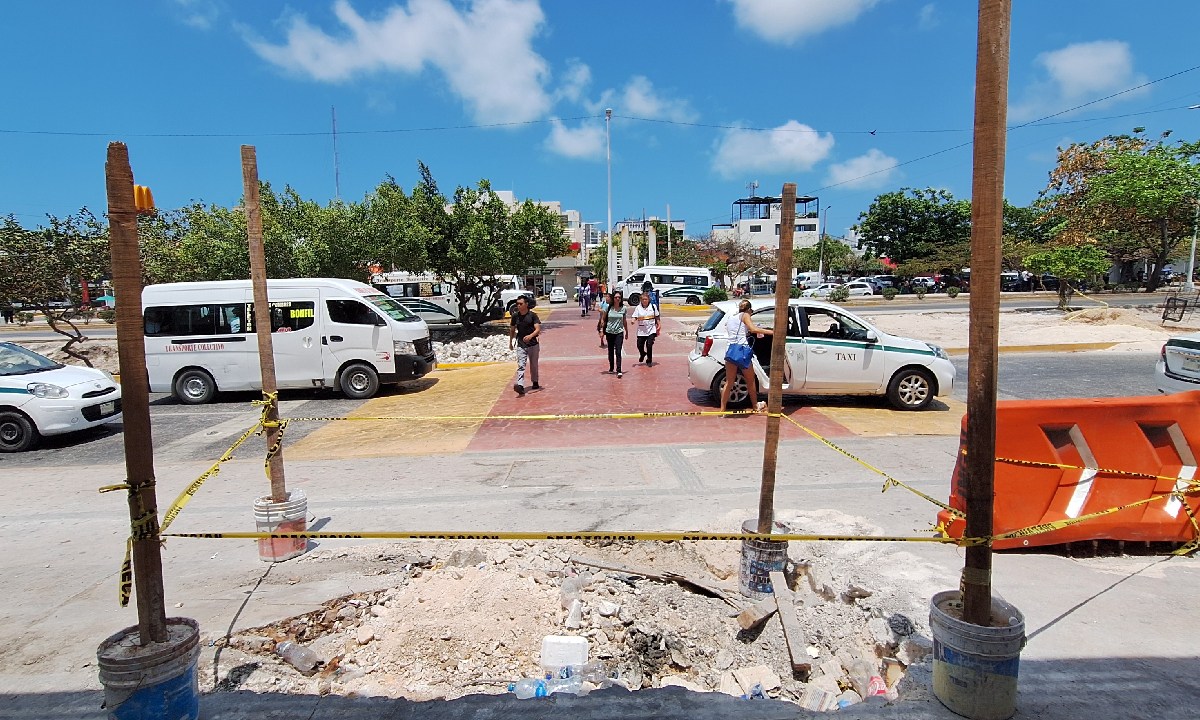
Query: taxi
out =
(829, 351)
(39, 396)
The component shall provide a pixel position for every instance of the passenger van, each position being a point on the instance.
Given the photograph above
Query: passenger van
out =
(808, 280)
(675, 283)
(425, 295)
(326, 333)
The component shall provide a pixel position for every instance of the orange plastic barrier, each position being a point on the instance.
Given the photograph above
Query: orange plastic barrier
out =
(1060, 460)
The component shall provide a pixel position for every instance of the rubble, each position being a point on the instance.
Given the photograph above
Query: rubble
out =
(470, 617)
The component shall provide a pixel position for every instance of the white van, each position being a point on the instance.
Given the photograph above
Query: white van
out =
(809, 280)
(327, 332)
(675, 283)
(422, 294)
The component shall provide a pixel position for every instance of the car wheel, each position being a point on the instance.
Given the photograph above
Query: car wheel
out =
(359, 381)
(911, 389)
(195, 387)
(17, 432)
(739, 395)
(474, 317)
(693, 300)
(633, 299)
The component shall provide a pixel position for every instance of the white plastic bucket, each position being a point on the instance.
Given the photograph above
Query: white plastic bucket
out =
(975, 667)
(288, 516)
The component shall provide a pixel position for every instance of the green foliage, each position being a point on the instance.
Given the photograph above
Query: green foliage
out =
(795, 292)
(839, 294)
(952, 292)
(108, 315)
(1071, 264)
(920, 290)
(715, 294)
(911, 223)
(890, 293)
(43, 267)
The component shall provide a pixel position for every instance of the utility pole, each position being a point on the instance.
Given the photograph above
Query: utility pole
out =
(612, 259)
(337, 173)
(262, 319)
(135, 390)
(783, 267)
(987, 207)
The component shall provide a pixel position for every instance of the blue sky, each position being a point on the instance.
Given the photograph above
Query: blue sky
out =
(846, 98)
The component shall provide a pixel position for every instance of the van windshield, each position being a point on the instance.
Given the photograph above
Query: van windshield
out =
(391, 308)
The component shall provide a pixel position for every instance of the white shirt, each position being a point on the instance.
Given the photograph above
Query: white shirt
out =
(645, 319)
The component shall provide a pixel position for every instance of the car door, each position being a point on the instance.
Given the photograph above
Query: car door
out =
(296, 338)
(797, 354)
(354, 331)
(839, 357)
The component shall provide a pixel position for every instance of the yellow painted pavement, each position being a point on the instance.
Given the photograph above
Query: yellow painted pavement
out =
(869, 417)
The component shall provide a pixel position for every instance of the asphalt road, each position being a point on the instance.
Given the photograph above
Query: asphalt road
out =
(184, 432)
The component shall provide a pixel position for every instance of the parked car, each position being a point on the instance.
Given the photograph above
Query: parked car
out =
(821, 290)
(1178, 366)
(876, 288)
(829, 351)
(39, 396)
(558, 294)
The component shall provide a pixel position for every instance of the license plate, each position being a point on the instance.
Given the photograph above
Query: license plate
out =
(108, 408)
(1191, 364)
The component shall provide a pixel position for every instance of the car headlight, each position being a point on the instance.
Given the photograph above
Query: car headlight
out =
(938, 351)
(46, 390)
(403, 347)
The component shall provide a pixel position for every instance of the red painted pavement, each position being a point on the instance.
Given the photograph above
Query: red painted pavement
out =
(572, 371)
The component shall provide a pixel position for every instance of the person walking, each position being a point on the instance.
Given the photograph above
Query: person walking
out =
(603, 303)
(613, 320)
(646, 320)
(739, 355)
(584, 296)
(524, 330)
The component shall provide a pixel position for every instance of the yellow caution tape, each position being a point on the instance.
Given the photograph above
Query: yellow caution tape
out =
(1104, 471)
(585, 535)
(190, 491)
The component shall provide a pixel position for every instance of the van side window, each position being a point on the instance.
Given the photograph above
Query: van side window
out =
(179, 320)
(350, 312)
(231, 319)
(289, 316)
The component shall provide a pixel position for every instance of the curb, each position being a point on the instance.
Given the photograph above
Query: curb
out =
(457, 365)
(1056, 347)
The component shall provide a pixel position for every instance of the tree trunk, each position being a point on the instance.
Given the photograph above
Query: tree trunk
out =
(1160, 260)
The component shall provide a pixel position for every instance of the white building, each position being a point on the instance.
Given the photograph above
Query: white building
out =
(756, 220)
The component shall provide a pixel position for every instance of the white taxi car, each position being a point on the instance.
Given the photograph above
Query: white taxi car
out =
(1178, 366)
(829, 352)
(41, 397)
(856, 287)
(558, 294)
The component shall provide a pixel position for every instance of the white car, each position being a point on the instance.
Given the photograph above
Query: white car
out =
(1178, 366)
(41, 397)
(558, 294)
(857, 287)
(829, 352)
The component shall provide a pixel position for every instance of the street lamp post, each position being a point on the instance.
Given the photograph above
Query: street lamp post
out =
(612, 260)
(821, 240)
(1189, 285)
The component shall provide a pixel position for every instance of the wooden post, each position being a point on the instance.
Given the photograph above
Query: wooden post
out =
(987, 208)
(783, 287)
(135, 397)
(262, 316)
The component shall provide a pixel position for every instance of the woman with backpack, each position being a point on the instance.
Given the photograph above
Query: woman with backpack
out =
(612, 322)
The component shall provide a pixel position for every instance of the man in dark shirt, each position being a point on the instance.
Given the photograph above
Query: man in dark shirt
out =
(525, 329)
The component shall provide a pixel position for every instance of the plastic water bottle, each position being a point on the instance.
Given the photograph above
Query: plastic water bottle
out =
(529, 687)
(571, 685)
(298, 656)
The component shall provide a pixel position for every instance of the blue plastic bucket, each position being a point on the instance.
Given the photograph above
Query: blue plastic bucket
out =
(759, 559)
(975, 667)
(152, 681)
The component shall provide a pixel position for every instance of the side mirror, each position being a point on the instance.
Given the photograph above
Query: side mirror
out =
(872, 337)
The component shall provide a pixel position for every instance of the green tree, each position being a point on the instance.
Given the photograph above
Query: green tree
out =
(45, 267)
(1071, 264)
(915, 224)
(1134, 197)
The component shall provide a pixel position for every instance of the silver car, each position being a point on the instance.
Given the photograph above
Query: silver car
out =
(829, 352)
(1178, 367)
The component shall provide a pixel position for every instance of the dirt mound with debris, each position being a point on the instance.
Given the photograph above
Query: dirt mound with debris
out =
(470, 617)
(101, 353)
(1119, 316)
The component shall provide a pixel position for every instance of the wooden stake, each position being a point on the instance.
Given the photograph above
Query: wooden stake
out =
(135, 397)
(262, 317)
(783, 286)
(797, 644)
(987, 209)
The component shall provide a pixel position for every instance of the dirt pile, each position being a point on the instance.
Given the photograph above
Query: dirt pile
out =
(470, 616)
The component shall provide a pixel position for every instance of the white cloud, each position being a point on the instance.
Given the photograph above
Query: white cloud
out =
(484, 51)
(200, 14)
(639, 99)
(785, 21)
(790, 147)
(927, 18)
(575, 80)
(872, 170)
(583, 142)
(1078, 73)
